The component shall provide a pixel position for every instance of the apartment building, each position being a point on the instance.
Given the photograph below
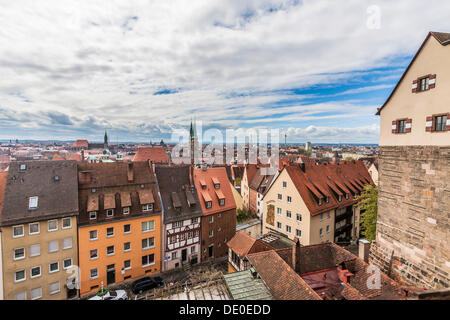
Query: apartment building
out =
(38, 229)
(119, 227)
(218, 222)
(412, 241)
(314, 202)
(182, 214)
(249, 172)
(257, 188)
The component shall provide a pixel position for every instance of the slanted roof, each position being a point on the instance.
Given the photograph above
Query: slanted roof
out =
(442, 37)
(155, 154)
(146, 197)
(57, 196)
(243, 286)
(241, 243)
(109, 201)
(283, 282)
(92, 203)
(175, 180)
(125, 199)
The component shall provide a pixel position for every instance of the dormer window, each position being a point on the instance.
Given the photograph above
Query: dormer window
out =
(208, 204)
(92, 215)
(126, 210)
(320, 202)
(346, 196)
(327, 199)
(147, 207)
(217, 186)
(340, 198)
(32, 202)
(221, 202)
(110, 213)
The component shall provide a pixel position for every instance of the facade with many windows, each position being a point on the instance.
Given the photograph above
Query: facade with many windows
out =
(38, 229)
(119, 223)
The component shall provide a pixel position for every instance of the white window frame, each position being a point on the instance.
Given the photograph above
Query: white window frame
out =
(279, 211)
(284, 184)
(149, 264)
(24, 276)
(109, 213)
(296, 233)
(31, 201)
(147, 223)
(279, 225)
(126, 268)
(65, 219)
(321, 232)
(29, 228)
(126, 232)
(31, 273)
(289, 199)
(36, 255)
(96, 235)
(288, 229)
(92, 215)
(56, 291)
(126, 210)
(35, 298)
(90, 256)
(147, 241)
(96, 274)
(20, 258)
(71, 244)
(280, 197)
(71, 263)
(48, 225)
(110, 235)
(23, 231)
(110, 254)
(147, 207)
(289, 214)
(49, 267)
(126, 250)
(211, 219)
(297, 217)
(57, 242)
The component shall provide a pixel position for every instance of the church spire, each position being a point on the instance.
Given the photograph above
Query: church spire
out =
(105, 139)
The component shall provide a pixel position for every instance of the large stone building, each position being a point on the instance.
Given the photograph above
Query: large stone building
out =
(314, 202)
(412, 241)
(38, 230)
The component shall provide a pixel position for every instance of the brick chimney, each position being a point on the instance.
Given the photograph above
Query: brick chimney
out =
(363, 250)
(295, 253)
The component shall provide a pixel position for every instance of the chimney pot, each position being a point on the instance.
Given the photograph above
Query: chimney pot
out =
(363, 250)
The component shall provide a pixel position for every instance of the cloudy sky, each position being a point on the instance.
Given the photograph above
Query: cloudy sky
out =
(315, 69)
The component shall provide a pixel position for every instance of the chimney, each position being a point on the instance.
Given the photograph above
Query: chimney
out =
(302, 166)
(363, 251)
(295, 253)
(130, 172)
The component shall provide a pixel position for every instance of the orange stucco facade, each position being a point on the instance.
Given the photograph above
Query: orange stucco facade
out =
(110, 267)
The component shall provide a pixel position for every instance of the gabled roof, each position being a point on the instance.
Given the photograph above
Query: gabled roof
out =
(441, 37)
(80, 144)
(155, 154)
(328, 180)
(53, 182)
(241, 243)
(201, 176)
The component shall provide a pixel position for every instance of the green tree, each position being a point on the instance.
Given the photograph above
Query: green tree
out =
(368, 203)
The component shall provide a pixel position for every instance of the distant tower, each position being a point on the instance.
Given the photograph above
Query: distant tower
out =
(82, 154)
(193, 136)
(105, 140)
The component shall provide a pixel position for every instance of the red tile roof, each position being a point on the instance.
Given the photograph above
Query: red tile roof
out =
(155, 154)
(80, 144)
(283, 282)
(205, 176)
(319, 181)
(241, 243)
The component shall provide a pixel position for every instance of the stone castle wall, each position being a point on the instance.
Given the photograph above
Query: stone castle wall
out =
(413, 243)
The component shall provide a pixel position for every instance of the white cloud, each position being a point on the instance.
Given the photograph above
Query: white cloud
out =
(104, 60)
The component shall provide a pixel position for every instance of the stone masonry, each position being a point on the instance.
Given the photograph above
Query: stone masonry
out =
(412, 243)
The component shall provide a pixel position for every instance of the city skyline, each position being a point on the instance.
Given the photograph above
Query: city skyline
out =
(142, 71)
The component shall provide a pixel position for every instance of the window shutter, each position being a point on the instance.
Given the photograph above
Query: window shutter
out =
(432, 81)
(414, 86)
(408, 126)
(394, 126)
(429, 124)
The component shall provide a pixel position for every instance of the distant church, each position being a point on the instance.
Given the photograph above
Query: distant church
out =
(84, 144)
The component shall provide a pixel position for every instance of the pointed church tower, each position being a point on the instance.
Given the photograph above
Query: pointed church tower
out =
(105, 141)
(193, 136)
